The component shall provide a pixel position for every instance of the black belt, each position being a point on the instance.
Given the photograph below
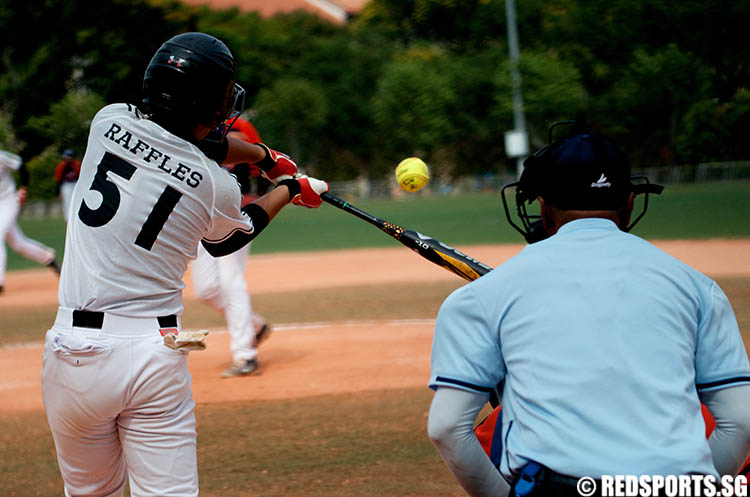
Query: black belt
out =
(544, 482)
(95, 320)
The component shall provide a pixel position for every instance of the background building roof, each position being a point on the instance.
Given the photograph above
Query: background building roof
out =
(334, 10)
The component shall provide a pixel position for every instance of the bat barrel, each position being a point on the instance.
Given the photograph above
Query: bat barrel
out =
(429, 248)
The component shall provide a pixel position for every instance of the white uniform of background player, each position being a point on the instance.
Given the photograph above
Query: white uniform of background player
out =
(118, 401)
(220, 281)
(10, 205)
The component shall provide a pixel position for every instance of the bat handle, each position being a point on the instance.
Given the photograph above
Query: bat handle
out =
(346, 206)
(332, 199)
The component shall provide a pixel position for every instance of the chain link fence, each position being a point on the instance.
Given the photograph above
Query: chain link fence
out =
(363, 188)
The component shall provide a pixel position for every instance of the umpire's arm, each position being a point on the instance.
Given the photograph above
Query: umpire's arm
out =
(451, 428)
(730, 440)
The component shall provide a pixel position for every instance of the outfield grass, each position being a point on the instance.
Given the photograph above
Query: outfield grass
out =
(706, 210)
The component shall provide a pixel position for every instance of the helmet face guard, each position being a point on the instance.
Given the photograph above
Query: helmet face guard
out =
(531, 226)
(566, 161)
(235, 105)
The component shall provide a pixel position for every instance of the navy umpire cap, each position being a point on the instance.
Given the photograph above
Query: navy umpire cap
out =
(586, 171)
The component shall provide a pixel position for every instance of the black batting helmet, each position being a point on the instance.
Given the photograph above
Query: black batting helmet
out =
(582, 170)
(190, 80)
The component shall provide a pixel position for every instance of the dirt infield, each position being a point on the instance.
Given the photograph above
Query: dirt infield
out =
(322, 358)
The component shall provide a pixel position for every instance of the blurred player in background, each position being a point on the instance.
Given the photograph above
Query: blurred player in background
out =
(220, 281)
(66, 176)
(115, 379)
(11, 201)
(603, 345)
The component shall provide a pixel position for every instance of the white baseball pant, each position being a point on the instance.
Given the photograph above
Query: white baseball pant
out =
(66, 194)
(220, 281)
(12, 234)
(119, 406)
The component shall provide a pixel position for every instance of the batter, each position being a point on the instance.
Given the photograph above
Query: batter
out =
(115, 381)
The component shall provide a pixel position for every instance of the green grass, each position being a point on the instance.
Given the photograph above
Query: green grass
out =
(706, 210)
(710, 210)
(50, 231)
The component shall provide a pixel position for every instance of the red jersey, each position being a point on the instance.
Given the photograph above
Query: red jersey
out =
(67, 170)
(248, 130)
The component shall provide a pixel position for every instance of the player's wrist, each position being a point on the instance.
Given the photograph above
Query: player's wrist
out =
(267, 162)
(293, 186)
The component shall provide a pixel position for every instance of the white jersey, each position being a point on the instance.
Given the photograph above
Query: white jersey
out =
(144, 200)
(9, 162)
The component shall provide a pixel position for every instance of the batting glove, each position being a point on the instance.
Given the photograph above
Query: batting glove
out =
(305, 191)
(310, 191)
(275, 166)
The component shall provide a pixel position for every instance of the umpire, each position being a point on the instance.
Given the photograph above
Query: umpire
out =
(602, 346)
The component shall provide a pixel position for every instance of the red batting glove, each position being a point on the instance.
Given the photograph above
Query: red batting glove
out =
(276, 166)
(310, 191)
(305, 191)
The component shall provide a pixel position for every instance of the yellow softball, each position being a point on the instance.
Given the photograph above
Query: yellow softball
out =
(412, 174)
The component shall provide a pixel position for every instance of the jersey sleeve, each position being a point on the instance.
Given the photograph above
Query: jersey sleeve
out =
(466, 352)
(9, 160)
(232, 226)
(215, 148)
(720, 358)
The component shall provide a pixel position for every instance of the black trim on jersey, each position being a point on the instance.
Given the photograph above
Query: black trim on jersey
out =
(239, 239)
(727, 381)
(214, 150)
(507, 452)
(464, 384)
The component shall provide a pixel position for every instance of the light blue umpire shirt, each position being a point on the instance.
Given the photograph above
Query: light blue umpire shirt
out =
(603, 342)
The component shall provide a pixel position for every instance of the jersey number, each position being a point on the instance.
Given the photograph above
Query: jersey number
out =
(111, 201)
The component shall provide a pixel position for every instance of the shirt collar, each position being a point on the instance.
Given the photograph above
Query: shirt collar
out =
(588, 223)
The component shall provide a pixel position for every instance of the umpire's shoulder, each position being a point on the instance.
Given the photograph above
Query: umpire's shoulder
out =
(475, 291)
(660, 259)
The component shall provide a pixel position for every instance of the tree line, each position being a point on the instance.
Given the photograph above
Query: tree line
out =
(670, 81)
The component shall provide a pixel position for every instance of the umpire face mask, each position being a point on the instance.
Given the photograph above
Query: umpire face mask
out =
(583, 170)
